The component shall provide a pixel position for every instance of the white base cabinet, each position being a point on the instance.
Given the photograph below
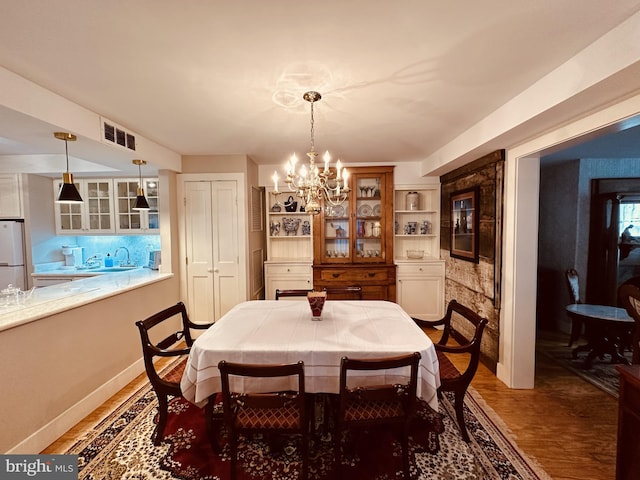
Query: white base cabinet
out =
(420, 288)
(286, 276)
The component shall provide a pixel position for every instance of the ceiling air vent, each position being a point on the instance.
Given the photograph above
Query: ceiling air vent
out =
(114, 134)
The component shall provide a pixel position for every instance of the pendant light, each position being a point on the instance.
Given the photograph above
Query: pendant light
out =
(68, 192)
(141, 202)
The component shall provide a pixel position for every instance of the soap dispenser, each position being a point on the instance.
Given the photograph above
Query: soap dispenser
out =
(108, 261)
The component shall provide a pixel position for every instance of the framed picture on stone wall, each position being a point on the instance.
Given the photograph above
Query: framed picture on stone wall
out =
(464, 224)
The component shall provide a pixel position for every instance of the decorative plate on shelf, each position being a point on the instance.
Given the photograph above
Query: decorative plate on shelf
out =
(337, 211)
(376, 210)
(364, 210)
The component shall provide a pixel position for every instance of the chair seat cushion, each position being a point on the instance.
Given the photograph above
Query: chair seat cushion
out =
(447, 369)
(358, 410)
(175, 374)
(282, 418)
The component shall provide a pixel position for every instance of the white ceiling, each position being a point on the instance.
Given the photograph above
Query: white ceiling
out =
(399, 79)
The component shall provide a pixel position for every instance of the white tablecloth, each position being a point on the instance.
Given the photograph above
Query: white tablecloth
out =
(269, 331)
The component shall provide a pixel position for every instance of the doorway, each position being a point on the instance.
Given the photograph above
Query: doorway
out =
(516, 366)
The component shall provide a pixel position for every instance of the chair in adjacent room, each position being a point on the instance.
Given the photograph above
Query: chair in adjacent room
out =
(574, 295)
(629, 298)
(177, 344)
(283, 411)
(353, 292)
(380, 405)
(291, 293)
(451, 379)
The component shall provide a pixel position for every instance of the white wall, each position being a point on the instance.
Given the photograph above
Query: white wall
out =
(56, 370)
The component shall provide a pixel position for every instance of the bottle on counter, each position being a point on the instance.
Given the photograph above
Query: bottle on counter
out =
(108, 261)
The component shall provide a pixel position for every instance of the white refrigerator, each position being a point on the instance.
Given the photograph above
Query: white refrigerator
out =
(12, 270)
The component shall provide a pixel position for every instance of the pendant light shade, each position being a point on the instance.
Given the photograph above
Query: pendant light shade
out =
(141, 202)
(68, 192)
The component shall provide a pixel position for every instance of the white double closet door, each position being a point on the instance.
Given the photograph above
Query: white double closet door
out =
(213, 248)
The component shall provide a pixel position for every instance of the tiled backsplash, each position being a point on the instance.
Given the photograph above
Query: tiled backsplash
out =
(139, 247)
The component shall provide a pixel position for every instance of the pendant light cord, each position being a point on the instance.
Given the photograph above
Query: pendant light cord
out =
(66, 151)
(313, 148)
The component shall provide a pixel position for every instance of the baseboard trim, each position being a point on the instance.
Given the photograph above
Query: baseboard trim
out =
(53, 430)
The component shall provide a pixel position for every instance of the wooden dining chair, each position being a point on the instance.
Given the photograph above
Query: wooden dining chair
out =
(573, 284)
(284, 411)
(629, 298)
(376, 406)
(451, 379)
(291, 293)
(353, 292)
(177, 344)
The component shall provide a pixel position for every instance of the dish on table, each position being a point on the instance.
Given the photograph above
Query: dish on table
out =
(364, 210)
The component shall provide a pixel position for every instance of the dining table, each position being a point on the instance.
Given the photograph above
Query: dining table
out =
(605, 327)
(281, 331)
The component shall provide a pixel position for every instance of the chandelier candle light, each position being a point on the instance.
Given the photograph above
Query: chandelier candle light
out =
(311, 184)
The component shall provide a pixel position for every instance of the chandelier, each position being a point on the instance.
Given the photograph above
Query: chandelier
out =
(309, 182)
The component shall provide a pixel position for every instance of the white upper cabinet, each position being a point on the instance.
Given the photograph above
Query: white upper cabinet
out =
(107, 208)
(136, 221)
(94, 215)
(417, 222)
(10, 196)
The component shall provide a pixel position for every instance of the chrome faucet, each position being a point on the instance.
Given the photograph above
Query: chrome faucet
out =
(92, 261)
(115, 254)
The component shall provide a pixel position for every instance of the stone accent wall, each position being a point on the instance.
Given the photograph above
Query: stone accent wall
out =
(477, 285)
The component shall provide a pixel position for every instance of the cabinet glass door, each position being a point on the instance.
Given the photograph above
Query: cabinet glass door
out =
(128, 219)
(369, 245)
(69, 214)
(99, 209)
(133, 221)
(151, 193)
(337, 233)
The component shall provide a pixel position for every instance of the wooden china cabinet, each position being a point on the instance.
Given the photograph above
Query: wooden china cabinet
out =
(353, 242)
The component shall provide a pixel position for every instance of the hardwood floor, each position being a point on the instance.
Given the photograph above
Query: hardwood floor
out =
(568, 425)
(565, 423)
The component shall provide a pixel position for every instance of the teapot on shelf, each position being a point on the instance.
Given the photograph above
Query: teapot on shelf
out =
(290, 205)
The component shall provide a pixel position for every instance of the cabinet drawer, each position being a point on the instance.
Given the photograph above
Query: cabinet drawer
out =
(427, 269)
(287, 269)
(375, 292)
(356, 276)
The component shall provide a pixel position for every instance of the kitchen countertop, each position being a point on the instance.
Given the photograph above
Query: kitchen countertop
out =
(67, 273)
(46, 301)
(78, 272)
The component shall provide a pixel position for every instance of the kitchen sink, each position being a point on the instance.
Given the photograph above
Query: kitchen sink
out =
(114, 269)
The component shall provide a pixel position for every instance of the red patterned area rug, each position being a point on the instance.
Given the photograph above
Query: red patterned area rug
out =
(120, 447)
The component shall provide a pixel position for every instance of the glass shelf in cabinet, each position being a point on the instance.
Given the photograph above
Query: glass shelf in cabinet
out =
(414, 235)
(416, 211)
